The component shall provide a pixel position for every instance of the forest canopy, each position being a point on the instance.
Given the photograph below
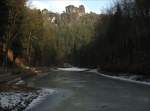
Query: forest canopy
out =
(117, 40)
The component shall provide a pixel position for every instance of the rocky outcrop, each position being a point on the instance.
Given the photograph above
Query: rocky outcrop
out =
(71, 9)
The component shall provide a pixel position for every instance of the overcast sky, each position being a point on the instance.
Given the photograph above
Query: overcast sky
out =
(59, 5)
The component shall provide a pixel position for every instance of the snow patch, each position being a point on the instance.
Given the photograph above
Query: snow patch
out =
(42, 95)
(123, 77)
(93, 71)
(126, 79)
(19, 101)
(72, 69)
(20, 82)
(15, 101)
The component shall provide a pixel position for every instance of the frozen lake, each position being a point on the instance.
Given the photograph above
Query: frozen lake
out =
(87, 91)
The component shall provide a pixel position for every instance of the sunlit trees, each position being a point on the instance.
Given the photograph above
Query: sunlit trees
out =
(77, 34)
(32, 34)
(38, 38)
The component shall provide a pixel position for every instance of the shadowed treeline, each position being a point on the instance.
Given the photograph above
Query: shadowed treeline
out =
(122, 39)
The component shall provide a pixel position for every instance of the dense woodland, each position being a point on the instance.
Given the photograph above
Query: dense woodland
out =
(121, 39)
(117, 40)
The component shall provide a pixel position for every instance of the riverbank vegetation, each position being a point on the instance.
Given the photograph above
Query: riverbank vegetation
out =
(117, 40)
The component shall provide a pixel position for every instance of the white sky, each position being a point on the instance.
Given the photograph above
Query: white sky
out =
(59, 5)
